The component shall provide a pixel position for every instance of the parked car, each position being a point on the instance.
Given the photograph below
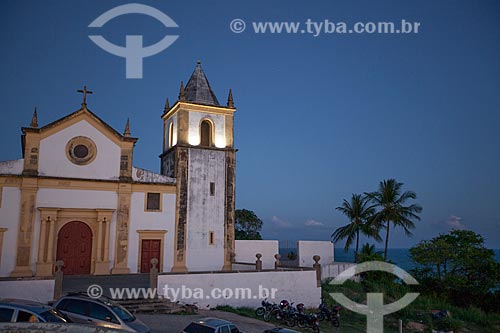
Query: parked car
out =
(211, 325)
(54, 327)
(280, 330)
(20, 310)
(101, 312)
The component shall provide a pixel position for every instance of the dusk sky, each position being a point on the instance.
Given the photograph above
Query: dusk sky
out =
(318, 118)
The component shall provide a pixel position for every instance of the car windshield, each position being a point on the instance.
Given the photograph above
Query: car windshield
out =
(54, 316)
(122, 313)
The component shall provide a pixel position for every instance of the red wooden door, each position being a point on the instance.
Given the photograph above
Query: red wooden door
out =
(150, 250)
(74, 247)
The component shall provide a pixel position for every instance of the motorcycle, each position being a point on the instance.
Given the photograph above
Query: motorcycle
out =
(284, 312)
(266, 307)
(332, 315)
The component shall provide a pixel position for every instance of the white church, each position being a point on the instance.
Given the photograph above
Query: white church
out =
(76, 196)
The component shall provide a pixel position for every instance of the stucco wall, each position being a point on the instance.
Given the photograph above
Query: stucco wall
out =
(14, 167)
(247, 249)
(294, 286)
(54, 162)
(307, 249)
(9, 218)
(205, 213)
(219, 122)
(32, 289)
(332, 270)
(141, 220)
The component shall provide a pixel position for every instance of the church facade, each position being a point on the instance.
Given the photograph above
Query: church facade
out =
(76, 196)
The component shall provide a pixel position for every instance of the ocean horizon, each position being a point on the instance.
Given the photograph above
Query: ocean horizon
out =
(398, 256)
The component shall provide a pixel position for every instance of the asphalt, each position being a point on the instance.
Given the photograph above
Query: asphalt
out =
(166, 323)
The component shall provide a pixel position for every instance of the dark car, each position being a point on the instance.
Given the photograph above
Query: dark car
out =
(24, 311)
(280, 330)
(211, 325)
(101, 312)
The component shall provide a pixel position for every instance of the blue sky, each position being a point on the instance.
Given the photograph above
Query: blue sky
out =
(318, 118)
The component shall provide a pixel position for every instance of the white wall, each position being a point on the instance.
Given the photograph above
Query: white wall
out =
(30, 289)
(54, 162)
(294, 286)
(219, 121)
(332, 270)
(205, 213)
(14, 167)
(247, 249)
(141, 220)
(9, 218)
(307, 249)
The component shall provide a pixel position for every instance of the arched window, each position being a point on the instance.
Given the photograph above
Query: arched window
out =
(206, 133)
(171, 135)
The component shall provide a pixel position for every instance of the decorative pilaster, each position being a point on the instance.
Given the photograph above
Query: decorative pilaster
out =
(182, 158)
(102, 246)
(2, 233)
(29, 188)
(122, 229)
(44, 265)
(229, 207)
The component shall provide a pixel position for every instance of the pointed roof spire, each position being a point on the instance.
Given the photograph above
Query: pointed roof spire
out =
(230, 102)
(167, 106)
(198, 89)
(34, 119)
(182, 96)
(126, 132)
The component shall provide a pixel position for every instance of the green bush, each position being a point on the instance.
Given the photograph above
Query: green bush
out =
(448, 324)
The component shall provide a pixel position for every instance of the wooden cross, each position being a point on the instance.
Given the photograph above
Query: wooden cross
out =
(84, 92)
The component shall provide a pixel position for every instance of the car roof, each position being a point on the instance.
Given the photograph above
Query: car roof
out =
(24, 304)
(213, 322)
(281, 330)
(101, 300)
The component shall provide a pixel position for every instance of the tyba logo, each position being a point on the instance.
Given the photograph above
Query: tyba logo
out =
(374, 310)
(133, 52)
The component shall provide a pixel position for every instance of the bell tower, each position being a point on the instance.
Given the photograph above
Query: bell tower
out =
(198, 150)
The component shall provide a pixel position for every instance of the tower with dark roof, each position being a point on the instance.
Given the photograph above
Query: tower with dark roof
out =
(198, 150)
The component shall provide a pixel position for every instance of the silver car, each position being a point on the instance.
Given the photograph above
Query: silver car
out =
(211, 325)
(24, 311)
(100, 312)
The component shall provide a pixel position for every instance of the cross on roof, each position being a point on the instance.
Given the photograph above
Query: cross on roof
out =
(84, 92)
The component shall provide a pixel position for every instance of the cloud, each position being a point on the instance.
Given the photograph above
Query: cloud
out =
(313, 223)
(455, 222)
(277, 222)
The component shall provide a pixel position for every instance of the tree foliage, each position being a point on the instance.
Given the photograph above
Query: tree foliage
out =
(247, 225)
(359, 212)
(392, 209)
(458, 265)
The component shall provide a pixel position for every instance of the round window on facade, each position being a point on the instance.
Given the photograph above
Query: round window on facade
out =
(81, 150)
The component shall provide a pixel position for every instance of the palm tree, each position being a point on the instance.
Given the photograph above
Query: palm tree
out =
(359, 212)
(368, 253)
(391, 203)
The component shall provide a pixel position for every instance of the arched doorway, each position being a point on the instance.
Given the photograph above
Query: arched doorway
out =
(74, 247)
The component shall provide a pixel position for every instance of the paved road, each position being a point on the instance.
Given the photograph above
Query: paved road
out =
(175, 323)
